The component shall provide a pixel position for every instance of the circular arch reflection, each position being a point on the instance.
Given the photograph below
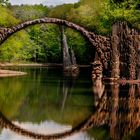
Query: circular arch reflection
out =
(119, 111)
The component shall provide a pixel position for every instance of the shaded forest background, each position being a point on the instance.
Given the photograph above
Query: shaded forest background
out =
(42, 43)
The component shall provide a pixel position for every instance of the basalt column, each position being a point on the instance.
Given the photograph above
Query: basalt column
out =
(125, 52)
(115, 60)
(69, 59)
(65, 49)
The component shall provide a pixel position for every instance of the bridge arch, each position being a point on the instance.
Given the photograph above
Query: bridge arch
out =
(97, 41)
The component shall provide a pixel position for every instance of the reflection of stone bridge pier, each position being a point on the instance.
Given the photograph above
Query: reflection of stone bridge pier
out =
(121, 110)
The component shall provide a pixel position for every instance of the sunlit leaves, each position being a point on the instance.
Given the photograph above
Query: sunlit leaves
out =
(6, 18)
(61, 11)
(4, 2)
(17, 50)
(28, 12)
(100, 15)
(47, 37)
(42, 43)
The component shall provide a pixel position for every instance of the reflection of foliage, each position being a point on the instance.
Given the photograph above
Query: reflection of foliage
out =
(100, 133)
(12, 94)
(136, 135)
(41, 98)
(47, 97)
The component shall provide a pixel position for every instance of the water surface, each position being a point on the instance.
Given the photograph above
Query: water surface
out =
(45, 102)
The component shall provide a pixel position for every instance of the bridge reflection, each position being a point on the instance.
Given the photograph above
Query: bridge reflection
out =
(117, 106)
(120, 105)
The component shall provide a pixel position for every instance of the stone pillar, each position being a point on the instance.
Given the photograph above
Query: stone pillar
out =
(132, 57)
(115, 58)
(125, 52)
(97, 70)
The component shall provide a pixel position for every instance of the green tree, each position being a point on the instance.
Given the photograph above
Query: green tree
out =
(100, 15)
(61, 11)
(124, 11)
(6, 17)
(83, 50)
(4, 2)
(47, 37)
(41, 43)
(17, 47)
(29, 12)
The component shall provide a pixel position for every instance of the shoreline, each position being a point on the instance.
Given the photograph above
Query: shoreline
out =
(11, 73)
(36, 65)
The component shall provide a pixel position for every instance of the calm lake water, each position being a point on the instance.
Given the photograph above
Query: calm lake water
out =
(47, 102)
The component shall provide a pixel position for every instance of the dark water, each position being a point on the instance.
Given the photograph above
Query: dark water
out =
(47, 102)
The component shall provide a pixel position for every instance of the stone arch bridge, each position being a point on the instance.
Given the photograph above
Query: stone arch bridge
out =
(116, 53)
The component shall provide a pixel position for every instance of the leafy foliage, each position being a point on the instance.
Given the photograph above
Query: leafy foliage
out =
(42, 43)
(82, 48)
(99, 16)
(29, 12)
(47, 37)
(6, 17)
(61, 11)
(4, 2)
(19, 46)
